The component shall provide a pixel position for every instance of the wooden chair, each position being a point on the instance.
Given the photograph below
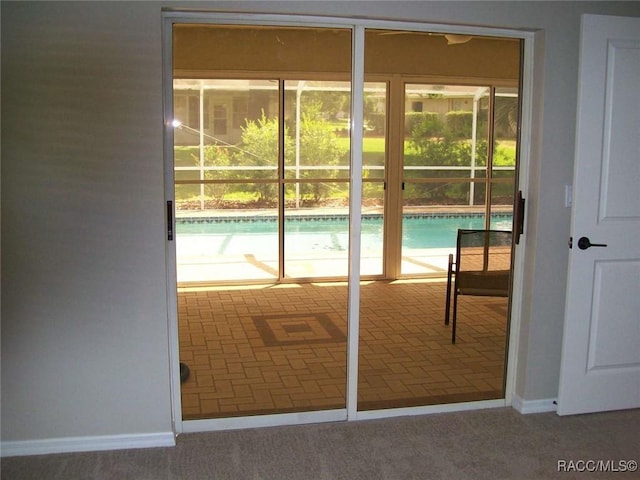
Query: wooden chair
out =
(482, 267)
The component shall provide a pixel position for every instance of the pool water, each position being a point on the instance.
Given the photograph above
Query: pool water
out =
(241, 248)
(330, 233)
(421, 232)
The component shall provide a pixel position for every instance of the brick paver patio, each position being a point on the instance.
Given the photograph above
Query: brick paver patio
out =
(282, 348)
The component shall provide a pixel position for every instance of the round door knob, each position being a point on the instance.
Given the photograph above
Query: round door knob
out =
(584, 243)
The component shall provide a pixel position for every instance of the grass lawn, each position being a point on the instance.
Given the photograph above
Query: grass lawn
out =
(373, 152)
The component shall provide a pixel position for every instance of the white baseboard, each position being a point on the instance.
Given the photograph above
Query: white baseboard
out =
(533, 406)
(86, 444)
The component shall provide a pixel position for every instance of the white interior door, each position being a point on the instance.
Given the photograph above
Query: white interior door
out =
(600, 358)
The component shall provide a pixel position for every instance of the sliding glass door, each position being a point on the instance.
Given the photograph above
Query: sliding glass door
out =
(261, 174)
(263, 137)
(450, 164)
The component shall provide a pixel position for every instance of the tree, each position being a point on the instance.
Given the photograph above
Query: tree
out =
(217, 156)
(438, 144)
(318, 147)
(259, 148)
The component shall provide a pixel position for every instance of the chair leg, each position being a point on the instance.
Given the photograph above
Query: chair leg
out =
(455, 316)
(448, 304)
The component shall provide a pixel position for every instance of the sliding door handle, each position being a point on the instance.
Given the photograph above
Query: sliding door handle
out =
(518, 221)
(169, 220)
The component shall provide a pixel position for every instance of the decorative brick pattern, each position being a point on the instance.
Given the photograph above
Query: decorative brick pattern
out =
(297, 329)
(282, 348)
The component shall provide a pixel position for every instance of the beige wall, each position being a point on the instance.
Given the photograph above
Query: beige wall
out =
(84, 315)
(287, 49)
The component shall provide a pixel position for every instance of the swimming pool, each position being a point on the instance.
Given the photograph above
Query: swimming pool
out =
(246, 248)
(330, 232)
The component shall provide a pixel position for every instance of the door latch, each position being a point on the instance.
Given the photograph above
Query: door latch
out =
(169, 220)
(584, 243)
(519, 217)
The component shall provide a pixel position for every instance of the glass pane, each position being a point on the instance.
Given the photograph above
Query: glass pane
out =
(226, 243)
(479, 192)
(506, 127)
(372, 236)
(187, 196)
(257, 345)
(317, 129)
(244, 130)
(225, 132)
(502, 200)
(440, 187)
(504, 158)
(374, 154)
(443, 126)
(374, 146)
(316, 152)
(316, 240)
(445, 142)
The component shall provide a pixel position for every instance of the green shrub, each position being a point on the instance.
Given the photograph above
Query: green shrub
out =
(259, 147)
(318, 147)
(376, 121)
(459, 123)
(427, 124)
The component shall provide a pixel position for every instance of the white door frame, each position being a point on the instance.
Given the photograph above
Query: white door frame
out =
(358, 27)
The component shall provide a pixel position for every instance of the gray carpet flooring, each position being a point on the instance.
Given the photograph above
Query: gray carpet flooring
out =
(483, 444)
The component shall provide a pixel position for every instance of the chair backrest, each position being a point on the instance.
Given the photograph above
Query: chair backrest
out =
(483, 262)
